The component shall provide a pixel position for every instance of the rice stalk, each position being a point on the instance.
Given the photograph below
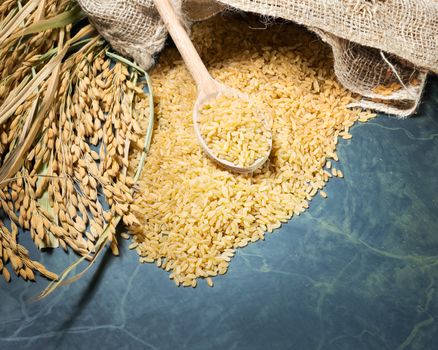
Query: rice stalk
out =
(105, 238)
(67, 126)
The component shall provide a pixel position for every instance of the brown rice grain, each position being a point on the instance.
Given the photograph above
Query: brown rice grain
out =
(191, 211)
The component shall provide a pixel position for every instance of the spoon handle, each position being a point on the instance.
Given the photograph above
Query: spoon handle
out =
(205, 83)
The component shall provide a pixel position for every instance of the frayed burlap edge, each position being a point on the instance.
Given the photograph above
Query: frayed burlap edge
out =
(134, 28)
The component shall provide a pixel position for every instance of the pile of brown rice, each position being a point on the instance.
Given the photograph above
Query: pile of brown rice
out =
(195, 214)
(234, 129)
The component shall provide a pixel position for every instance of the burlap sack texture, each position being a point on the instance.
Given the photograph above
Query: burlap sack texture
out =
(375, 42)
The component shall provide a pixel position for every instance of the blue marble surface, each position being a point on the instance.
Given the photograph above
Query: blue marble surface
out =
(356, 271)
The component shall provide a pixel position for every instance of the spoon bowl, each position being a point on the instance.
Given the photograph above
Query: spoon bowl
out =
(204, 98)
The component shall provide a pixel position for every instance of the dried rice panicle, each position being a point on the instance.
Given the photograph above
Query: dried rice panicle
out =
(18, 57)
(235, 129)
(79, 157)
(194, 215)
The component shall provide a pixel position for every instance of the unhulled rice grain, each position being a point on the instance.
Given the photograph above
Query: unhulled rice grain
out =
(194, 214)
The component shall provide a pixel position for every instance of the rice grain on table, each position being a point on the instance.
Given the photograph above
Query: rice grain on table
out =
(193, 214)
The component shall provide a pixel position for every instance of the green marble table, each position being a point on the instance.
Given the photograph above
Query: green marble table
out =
(356, 271)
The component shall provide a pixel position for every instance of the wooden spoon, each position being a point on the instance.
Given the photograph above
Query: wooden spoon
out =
(208, 88)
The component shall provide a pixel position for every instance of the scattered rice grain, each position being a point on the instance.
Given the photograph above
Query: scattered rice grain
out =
(185, 200)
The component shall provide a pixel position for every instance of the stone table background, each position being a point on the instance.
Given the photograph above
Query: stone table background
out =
(358, 270)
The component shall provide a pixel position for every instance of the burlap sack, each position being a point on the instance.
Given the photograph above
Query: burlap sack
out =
(376, 43)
